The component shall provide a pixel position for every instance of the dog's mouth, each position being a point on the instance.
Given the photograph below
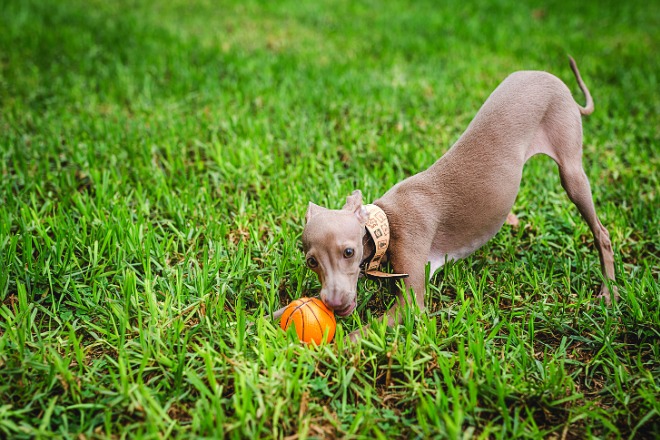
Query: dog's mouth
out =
(346, 310)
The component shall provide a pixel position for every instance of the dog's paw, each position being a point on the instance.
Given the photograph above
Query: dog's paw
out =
(357, 334)
(606, 295)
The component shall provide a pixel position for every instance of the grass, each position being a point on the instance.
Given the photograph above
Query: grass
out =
(157, 161)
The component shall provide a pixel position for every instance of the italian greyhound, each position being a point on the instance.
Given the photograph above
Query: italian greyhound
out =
(454, 207)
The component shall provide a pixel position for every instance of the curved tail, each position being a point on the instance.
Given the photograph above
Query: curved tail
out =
(589, 108)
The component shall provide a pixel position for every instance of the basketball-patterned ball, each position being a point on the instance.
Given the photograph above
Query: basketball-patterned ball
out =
(311, 319)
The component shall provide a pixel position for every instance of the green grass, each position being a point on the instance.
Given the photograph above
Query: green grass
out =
(157, 161)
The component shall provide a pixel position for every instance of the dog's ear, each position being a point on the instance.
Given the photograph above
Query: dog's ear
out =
(354, 200)
(312, 210)
(354, 204)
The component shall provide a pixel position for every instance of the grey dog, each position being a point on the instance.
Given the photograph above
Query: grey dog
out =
(454, 207)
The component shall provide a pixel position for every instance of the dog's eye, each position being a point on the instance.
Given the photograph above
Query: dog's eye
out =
(312, 263)
(349, 252)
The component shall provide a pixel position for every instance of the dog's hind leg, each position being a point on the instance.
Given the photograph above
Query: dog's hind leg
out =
(575, 182)
(560, 137)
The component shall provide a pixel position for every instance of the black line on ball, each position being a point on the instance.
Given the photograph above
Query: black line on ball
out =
(326, 312)
(302, 315)
(293, 312)
(317, 321)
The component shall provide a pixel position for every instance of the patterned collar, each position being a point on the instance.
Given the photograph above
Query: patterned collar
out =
(378, 229)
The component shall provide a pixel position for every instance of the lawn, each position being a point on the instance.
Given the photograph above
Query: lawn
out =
(157, 162)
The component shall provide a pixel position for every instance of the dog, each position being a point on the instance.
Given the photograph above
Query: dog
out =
(454, 207)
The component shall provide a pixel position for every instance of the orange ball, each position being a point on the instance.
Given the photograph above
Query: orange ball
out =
(311, 319)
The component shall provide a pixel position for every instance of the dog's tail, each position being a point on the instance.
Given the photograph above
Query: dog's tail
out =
(589, 108)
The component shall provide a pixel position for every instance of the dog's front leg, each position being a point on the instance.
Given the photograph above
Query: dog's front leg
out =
(412, 294)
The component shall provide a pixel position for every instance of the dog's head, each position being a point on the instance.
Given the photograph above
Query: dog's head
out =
(332, 242)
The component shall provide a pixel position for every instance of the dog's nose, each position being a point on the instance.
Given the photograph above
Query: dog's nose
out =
(333, 303)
